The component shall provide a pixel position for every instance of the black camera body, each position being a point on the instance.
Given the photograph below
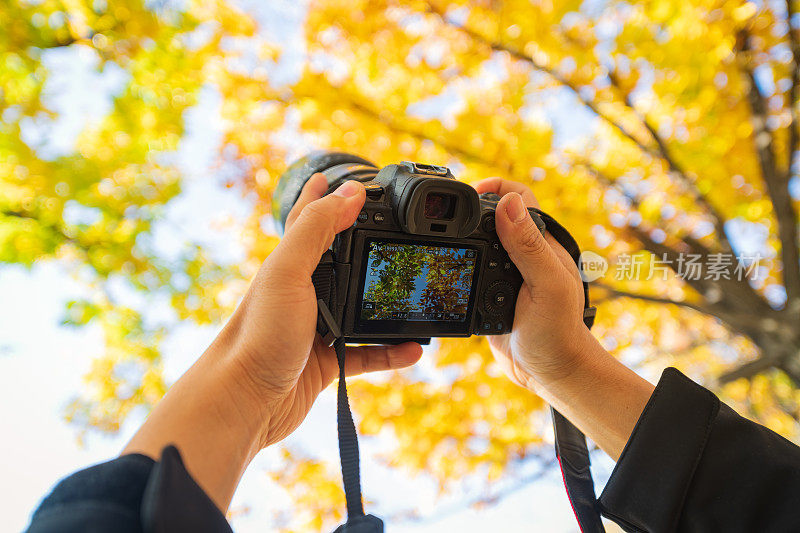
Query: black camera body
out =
(422, 260)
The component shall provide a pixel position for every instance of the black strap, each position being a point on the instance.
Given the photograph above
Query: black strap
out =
(357, 522)
(348, 441)
(573, 459)
(324, 279)
(571, 450)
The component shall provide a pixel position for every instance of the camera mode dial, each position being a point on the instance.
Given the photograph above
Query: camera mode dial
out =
(490, 196)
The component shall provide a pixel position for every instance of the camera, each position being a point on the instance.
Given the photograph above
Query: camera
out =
(422, 259)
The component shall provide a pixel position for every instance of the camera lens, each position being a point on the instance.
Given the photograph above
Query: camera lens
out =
(336, 166)
(440, 206)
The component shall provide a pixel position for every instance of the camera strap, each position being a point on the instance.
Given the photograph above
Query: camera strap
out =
(570, 444)
(357, 522)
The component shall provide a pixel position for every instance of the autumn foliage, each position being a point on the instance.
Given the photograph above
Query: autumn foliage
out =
(649, 128)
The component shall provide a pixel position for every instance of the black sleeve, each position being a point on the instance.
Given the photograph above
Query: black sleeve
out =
(693, 464)
(131, 494)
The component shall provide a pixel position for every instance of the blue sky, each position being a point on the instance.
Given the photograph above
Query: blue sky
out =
(42, 363)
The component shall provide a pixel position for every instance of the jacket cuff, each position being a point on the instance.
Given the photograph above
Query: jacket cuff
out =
(173, 501)
(660, 458)
(131, 494)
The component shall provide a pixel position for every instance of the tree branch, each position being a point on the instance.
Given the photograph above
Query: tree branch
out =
(404, 127)
(454, 149)
(518, 54)
(777, 183)
(747, 370)
(794, 91)
(739, 321)
(659, 153)
(723, 293)
(666, 155)
(617, 293)
(741, 294)
(737, 299)
(53, 228)
(610, 183)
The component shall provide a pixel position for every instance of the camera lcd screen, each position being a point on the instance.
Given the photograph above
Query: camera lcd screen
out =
(417, 282)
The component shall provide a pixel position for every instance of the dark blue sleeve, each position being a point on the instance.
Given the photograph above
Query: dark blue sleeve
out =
(104, 497)
(131, 494)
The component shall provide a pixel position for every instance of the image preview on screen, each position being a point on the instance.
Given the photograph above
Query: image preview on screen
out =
(417, 282)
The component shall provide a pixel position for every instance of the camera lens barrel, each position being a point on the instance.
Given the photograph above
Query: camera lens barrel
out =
(337, 167)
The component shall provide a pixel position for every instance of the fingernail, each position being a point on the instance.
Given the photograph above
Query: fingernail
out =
(347, 189)
(515, 209)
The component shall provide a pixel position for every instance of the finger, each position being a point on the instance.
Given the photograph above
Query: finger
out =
(361, 359)
(564, 257)
(525, 244)
(502, 187)
(312, 233)
(314, 189)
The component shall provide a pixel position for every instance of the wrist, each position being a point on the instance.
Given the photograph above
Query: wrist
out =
(211, 416)
(241, 398)
(600, 395)
(576, 360)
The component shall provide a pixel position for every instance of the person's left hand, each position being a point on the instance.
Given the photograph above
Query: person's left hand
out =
(273, 331)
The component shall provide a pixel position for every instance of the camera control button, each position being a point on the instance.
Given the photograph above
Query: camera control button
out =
(378, 218)
(498, 297)
(495, 246)
(499, 326)
(374, 192)
(492, 264)
(363, 216)
(488, 224)
(486, 326)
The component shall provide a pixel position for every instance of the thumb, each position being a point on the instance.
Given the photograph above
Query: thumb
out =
(312, 233)
(525, 244)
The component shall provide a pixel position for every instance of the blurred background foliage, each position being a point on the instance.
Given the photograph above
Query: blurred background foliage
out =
(681, 137)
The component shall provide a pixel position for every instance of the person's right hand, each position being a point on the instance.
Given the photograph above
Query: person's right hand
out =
(548, 337)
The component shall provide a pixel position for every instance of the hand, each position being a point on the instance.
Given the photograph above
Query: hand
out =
(273, 331)
(548, 336)
(258, 379)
